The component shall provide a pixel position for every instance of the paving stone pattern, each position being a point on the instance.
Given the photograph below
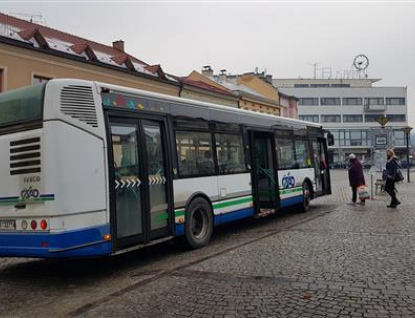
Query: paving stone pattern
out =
(353, 262)
(334, 261)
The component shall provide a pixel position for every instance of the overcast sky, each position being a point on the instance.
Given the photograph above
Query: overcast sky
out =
(283, 38)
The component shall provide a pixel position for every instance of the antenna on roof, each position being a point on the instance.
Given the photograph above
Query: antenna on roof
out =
(315, 68)
(33, 17)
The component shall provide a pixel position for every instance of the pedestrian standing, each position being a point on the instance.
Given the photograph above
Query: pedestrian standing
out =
(392, 166)
(356, 178)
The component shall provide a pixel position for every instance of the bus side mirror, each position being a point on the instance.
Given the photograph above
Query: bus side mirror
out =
(330, 139)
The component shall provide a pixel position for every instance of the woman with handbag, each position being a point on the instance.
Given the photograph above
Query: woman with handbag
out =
(391, 170)
(356, 178)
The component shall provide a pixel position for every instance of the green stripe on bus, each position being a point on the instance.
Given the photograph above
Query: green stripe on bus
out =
(219, 205)
(230, 203)
(286, 191)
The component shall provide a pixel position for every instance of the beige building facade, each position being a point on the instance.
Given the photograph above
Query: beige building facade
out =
(31, 53)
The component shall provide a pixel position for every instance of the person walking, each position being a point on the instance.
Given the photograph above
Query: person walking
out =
(392, 166)
(356, 178)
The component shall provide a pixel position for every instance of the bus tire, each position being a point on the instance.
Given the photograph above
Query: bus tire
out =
(199, 223)
(305, 205)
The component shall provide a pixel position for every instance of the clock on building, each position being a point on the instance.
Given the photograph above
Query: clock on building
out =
(361, 62)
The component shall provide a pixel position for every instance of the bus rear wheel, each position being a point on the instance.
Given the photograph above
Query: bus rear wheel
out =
(199, 223)
(305, 205)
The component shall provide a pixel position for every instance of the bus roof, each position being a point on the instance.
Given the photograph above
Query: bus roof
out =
(270, 119)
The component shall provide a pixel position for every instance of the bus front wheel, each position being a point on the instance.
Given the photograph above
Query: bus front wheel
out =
(199, 223)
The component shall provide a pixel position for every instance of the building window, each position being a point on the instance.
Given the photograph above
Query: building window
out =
(319, 85)
(308, 101)
(301, 85)
(40, 79)
(374, 101)
(395, 101)
(372, 118)
(330, 118)
(310, 118)
(352, 118)
(399, 138)
(396, 118)
(352, 101)
(330, 101)
(340, 85)
(355, 137)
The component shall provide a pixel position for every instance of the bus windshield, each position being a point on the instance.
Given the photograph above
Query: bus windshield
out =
(21, 105)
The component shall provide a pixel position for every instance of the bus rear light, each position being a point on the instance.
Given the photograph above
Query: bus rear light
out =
(24, 225)
(33, 225)
(43, 224)
(107, 237)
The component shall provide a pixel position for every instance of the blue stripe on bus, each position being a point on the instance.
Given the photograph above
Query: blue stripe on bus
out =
(291, 201)
(76, 243)
(179, 229)
(47, 196)
(9, 198)
(233, 216)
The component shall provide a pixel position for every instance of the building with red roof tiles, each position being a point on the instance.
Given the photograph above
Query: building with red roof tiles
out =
(31, 53)
(253, 98)
(203, 91)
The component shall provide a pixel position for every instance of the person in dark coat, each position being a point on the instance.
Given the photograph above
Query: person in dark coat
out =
(390, 171)
(356, 177)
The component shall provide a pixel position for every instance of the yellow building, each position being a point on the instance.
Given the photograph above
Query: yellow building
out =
(32, 53)
(247, 97)
(199, 87)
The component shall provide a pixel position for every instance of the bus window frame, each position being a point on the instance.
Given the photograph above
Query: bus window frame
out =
(212, 127)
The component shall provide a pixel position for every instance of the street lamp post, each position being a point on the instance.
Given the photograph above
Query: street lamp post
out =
(407, 131)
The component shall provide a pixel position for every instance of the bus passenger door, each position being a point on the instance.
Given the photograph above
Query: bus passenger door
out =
(324, 170)
(322, 178)
(140, 197)
(264, 171)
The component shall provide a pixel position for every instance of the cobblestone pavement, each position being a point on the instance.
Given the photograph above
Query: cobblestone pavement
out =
(334, 261)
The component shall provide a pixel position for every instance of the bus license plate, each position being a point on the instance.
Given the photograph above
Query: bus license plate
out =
(7, 225)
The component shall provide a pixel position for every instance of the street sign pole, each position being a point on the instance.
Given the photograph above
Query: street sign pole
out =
(407, 131)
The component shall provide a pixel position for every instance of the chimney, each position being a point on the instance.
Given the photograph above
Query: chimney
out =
(222, 75)
(268, 79)
(118, 45)
(207, 71)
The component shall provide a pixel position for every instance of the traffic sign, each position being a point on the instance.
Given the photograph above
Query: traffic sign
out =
(382, 121)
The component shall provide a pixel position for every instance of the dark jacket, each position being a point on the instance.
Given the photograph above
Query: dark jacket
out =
(391, 167)
(356, 177)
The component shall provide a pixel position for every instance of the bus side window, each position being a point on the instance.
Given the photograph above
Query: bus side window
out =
(194, 151)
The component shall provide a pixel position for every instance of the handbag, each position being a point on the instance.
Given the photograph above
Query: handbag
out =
(363, 192)
(398, 175)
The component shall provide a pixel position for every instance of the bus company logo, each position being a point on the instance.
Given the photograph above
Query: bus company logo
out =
(288, 181)
(29, 193)
(31, 179)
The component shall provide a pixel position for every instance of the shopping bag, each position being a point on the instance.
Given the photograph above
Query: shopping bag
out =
(398, 177)
(363, 192)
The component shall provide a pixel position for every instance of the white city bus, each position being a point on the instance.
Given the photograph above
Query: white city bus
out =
(93, 169)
